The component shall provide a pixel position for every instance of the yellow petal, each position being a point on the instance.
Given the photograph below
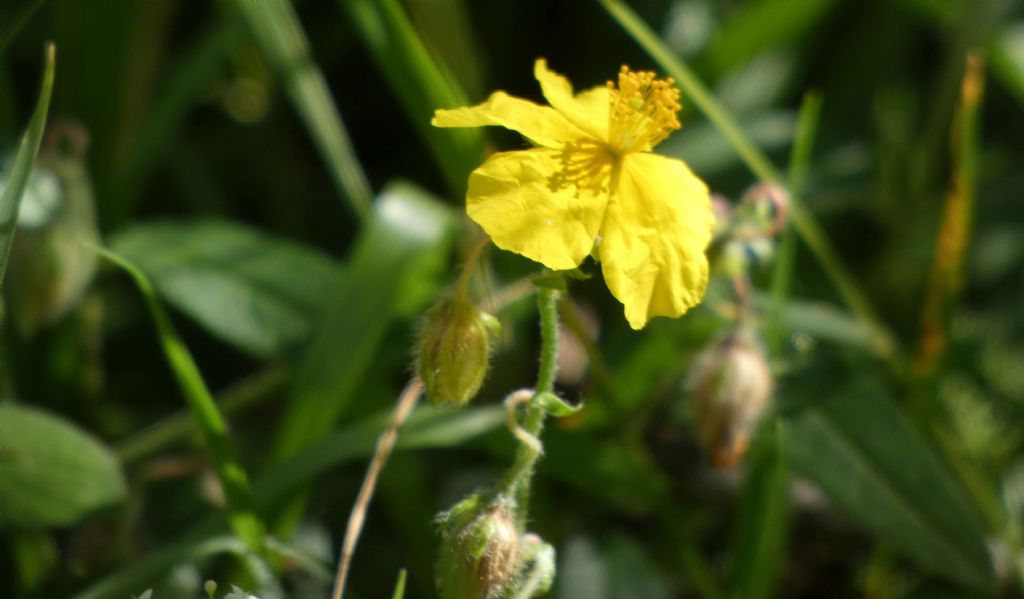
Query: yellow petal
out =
(543, 125)
(653, 239)
(526, 203)
(584, 111)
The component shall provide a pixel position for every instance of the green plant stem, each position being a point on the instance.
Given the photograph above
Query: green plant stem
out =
(782, 274)
(521, 473)
(233, 478)
(805, 223)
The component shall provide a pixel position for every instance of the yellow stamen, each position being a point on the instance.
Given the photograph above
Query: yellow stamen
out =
(643, 110)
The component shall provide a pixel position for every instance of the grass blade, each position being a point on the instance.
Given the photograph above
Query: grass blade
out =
(21, 170)
(763, 525)
(427, 427)
(785, 262)
(278, 31)
(420, 85)
(14, 187)
(233, 478)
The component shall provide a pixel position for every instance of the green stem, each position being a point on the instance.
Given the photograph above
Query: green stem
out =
(520, 474)
(233, 478)
(803, 221)
(782, 274)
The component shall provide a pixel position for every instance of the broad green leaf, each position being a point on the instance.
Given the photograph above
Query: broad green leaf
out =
(51, 472)
(252, 290)
(763, 522)
(394, 265)
(863, 452)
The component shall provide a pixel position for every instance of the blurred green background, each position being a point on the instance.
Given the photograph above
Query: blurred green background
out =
(270, 167)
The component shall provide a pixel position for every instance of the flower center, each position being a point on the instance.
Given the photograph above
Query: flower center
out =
(643, 111)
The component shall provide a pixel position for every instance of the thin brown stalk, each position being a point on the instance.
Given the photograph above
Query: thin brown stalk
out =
(385, 443)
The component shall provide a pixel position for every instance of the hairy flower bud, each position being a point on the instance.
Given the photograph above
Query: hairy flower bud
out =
(730, 384)
(454, 350)
(480, 550)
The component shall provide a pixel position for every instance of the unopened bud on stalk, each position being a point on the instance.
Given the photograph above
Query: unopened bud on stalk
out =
(730, 385)
(454, 350)
(480, 552)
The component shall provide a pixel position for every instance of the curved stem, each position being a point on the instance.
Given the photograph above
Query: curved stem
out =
(517, 480)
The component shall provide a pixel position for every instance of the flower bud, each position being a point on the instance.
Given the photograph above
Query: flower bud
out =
(766, 205)
(454, 350)
(480, 552)
(49, 271)
(730, 385)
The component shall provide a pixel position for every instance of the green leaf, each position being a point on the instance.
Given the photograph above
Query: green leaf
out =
(764, 516)
(252, 290)
(51, 472)
(395, 267)
(556, 406)
(427, 427)
(860, 448)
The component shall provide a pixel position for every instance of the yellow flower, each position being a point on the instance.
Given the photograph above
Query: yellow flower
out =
(592, 186)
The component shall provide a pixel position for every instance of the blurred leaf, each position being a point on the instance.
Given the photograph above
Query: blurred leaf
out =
(864, 453)
(254, 291)
(709, 152)
(756, 85)
(1007, 58)
(427, 427)
(184, 87)
(279, 32)
(400, 251)
(820, 321)
(612, 469)
(761, 25)
(447, 31)
(51, 472)
(420, 85)
(617, 569)
(763, 524)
